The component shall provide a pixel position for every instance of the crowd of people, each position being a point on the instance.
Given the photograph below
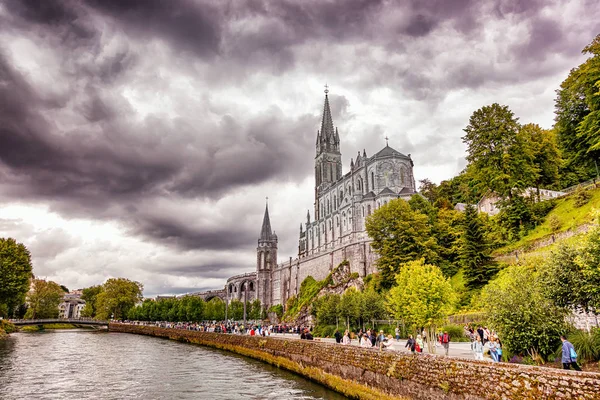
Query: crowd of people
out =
(482, 338)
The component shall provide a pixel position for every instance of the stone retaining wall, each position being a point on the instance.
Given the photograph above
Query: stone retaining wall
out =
(370, 374)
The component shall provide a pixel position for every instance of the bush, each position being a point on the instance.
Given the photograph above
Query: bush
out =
(7, 327)
(554, 223)
(581, 197)
(456, 332)
(587, 345)
(326, 330)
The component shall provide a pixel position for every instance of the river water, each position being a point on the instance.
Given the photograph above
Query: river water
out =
(83, 364)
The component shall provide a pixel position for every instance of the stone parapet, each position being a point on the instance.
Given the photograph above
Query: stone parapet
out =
(370, 374)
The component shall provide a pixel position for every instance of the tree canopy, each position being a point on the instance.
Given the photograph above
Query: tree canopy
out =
(118, 295)
(399, 234)
(500, 159)
(422, 297)
(15, 274)
(577, 109)
(44, 299)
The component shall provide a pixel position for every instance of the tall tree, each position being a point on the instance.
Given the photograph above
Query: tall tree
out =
(15, 273)
(474, 251)
(577, 108)
(349, 306)
(422, 297)
(118, 295)
(498, 157)
(429, 190)
(399, 234)
(89, 295)
(44, 299)
(546, 156)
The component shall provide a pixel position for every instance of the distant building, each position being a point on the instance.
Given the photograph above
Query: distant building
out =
(489, 202)
(71, 306)
(460, 207)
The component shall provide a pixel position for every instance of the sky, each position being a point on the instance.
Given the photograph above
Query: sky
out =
(140, 138)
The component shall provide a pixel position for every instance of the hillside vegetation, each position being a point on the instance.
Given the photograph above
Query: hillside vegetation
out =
(565, 216)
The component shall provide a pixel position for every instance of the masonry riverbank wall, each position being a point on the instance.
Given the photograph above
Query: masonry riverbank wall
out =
(369, 374)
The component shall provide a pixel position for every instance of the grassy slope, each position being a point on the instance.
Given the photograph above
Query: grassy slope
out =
(570, 217)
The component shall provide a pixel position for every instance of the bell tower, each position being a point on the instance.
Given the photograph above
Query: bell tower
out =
(266, 261)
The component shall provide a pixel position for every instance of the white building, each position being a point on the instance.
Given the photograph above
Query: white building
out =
(71, 306)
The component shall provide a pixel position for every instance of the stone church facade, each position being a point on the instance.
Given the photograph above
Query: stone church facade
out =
(336, 231)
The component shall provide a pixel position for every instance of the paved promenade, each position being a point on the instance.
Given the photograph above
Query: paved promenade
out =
(457, 349)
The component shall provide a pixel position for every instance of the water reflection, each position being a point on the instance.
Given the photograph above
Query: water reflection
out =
(96, 365)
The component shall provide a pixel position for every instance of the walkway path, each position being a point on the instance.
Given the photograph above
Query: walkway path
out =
(457, 349)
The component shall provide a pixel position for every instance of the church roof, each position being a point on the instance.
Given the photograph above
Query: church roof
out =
(369, 195)
(406, 190)
(385, 191)
(265, 232)
(388, 151)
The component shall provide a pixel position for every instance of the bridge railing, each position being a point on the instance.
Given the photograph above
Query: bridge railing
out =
(58, 321)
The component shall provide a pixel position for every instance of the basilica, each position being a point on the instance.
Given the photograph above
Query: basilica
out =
(336, 231)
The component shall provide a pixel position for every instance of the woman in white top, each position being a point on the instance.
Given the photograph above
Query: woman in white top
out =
(346, 338)
(366, 342)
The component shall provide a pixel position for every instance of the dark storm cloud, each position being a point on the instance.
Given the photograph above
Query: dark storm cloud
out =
(79, 144)
(191, 26)
(209, 270)
(172, 232)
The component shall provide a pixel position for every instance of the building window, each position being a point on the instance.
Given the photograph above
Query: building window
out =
(369, 209)
(372, 181)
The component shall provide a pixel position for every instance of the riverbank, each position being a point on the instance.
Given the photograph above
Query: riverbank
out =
(38, 328)
(369, 374)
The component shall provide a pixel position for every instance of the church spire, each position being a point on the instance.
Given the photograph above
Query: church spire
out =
(265, 232)
(328, 133)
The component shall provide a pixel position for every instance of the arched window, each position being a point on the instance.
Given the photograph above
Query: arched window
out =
(337, 221)
(369, 209)
(334, 202)
(363, 211)
(373, 180)
(402, 172)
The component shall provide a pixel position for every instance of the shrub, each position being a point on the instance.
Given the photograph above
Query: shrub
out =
(554, 223)
(456, 332)
(581, 197)
(326, 330)
(587, 345)
(7, 327)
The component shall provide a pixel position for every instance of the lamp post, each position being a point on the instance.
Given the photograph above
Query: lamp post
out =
(245, 287)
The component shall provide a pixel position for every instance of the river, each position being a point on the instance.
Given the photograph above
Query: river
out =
(83, 364)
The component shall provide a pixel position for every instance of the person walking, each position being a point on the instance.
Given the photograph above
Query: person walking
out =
(445, 341)
(346, 338)
(569, 356)
(419, 344)
(477, 348)
(338, 336)
(410, 343)
(397, 332)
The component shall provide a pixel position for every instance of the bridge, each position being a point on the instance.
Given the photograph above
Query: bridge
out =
(72, 321)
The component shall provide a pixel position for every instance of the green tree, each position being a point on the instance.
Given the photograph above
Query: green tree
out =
(563, 281)
(399, 234)
(255, 310)
(577, 109)
(372, 306)
(44, 299)
(15, 273)
(89, 295)
(498, 157)
(326, 309)
(118, 295)
(447, 228)
(422, 297)
(546, 156)
(589, 262)
(429, 190)
(215, 309)
(349, 307)
(527, 322)
(474, 251)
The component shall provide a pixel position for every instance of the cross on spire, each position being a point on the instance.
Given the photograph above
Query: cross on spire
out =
(386, 140)
(326, 89)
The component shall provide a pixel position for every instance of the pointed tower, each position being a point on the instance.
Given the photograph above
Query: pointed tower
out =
(266, 260)
(328, 161)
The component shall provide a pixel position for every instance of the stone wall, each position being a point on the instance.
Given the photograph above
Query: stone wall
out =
(370, 374)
